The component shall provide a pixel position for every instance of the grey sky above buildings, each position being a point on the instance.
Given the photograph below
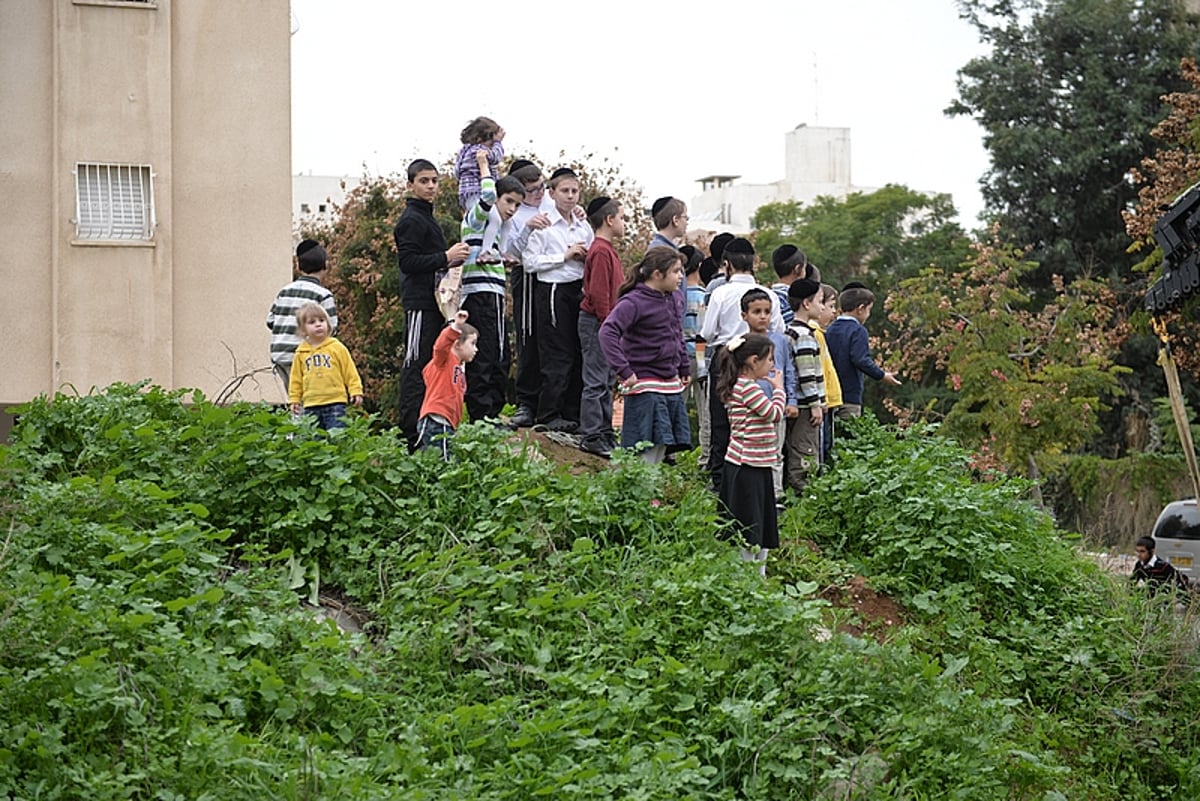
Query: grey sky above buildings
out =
(668, 91)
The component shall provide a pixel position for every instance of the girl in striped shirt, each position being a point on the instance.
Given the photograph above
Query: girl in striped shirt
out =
(747, 496)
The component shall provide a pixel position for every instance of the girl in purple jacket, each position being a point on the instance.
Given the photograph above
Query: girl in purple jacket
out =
(642, 339)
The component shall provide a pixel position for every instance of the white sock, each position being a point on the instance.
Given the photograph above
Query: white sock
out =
(655, 454)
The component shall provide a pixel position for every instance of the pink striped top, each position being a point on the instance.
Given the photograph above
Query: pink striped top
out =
(752, 419)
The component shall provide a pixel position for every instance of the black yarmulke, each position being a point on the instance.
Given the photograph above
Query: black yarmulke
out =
(782, 254)
(561, 171)
(802, 289)
(518, 164)
(717, 247)
(309, 253)
(658, 205)
(739, 245)
(597, 204)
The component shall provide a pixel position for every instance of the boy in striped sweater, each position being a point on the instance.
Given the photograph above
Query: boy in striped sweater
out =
(309, 287)
(484, 227)
(804, 430)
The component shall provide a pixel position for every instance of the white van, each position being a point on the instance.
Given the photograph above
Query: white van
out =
(1177, 536)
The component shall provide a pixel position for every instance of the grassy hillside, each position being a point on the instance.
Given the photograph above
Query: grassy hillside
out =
(534, 633)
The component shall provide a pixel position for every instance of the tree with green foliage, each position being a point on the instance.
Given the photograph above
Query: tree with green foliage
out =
(1066, 99)
(1024, 379)
(875, 237)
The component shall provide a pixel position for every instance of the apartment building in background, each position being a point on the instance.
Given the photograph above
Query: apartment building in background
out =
(145, 159)
(816, 163)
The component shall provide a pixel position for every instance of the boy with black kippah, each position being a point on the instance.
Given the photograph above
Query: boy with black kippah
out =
(803, 438)
(602, 278)
(716, 251)
(530, 216)
(670, 222)
(422, 256)
(309, 287)
(790, 264)
(555, 255)
(850, 348)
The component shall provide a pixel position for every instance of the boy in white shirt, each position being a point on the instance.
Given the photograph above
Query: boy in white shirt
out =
(554, 255)
(722, 322)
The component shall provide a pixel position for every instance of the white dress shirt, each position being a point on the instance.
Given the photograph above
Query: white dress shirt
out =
(723, 315)
(545, 253)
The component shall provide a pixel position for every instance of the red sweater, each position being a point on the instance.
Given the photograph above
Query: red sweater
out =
(445, 379)
(602, 277)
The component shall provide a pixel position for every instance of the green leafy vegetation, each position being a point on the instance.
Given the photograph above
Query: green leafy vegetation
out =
(533, 633)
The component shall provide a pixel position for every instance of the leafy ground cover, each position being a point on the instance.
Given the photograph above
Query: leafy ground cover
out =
(534, 632)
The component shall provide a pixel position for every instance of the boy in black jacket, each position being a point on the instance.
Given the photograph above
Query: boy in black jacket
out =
(1154, 572)
(422, 253)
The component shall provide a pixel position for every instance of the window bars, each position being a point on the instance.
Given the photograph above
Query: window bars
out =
(114, 202)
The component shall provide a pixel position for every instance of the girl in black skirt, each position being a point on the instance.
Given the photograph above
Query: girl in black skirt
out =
(747, 491)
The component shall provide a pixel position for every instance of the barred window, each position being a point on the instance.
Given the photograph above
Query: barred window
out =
(114, 202)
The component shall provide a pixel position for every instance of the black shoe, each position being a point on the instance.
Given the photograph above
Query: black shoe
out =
(523, 418)
(596, 447)
(558, 424)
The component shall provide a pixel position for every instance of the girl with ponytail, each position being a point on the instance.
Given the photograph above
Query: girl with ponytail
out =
(642, 339)
(747, 492)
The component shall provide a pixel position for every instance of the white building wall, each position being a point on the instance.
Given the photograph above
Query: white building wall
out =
(315, 198)
(816, 163)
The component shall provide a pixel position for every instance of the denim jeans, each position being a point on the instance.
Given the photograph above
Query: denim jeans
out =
(329, 416)
(435, 431)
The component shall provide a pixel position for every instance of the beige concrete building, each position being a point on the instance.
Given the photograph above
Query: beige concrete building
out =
(145, 162)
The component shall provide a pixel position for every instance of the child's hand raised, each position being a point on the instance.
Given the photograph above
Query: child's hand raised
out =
(460, 316)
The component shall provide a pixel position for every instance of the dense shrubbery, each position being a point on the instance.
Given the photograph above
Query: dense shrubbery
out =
(537, 633)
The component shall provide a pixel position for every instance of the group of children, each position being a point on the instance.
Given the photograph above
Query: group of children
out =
(784, 361)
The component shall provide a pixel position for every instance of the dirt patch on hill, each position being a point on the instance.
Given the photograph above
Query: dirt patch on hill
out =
(562, 450)
(875, 615)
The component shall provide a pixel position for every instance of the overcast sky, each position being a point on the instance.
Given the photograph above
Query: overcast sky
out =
(668, 90)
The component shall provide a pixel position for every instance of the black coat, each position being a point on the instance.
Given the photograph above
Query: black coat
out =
(421, 253)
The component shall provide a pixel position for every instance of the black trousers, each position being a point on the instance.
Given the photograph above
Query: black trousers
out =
(718, 423)
(487, 374)
(529, 370)
(556, 326)
(421, 329)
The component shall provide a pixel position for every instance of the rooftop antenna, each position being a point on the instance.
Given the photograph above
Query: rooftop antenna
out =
(816, 93)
